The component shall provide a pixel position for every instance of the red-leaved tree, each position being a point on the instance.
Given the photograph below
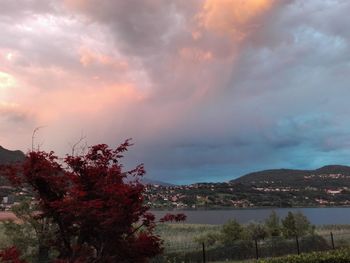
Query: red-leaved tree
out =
(97, 209)
(10, 255)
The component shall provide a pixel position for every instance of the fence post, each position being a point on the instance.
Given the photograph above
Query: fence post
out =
(256, 249)
(297, 241)
(332, 239)
(203, 248)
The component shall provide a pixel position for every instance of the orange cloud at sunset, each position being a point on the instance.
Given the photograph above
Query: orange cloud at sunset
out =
(232, 17)
(86, 101)
(89, 57)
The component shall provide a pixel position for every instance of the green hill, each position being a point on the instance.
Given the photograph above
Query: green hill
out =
(327, 176)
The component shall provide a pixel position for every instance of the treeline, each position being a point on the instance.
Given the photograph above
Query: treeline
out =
(293, 225)
(292, 234)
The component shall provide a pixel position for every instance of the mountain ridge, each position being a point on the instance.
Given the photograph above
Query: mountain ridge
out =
(295, 177)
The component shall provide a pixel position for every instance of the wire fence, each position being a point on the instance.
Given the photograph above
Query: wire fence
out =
(193, 252)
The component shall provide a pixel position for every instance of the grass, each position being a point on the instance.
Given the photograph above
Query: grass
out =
(180, 238)
(175, 234)
(180, 233)
(186, 233)
(333, 256)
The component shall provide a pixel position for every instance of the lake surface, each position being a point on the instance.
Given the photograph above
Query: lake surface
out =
(317, 216)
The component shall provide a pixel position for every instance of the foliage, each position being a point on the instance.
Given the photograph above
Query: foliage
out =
(302, 224)
(288, 226)
(97, 212)
(338, 256)
(256, 231)
(314, 242)
(10, 255)
(231, 231)
(296, 224)
(179, 234)
(32, 235)
(208, 239)
(272, 224)
(183, 243)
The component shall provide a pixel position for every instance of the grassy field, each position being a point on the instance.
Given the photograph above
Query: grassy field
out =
(332, 256)
(182, 239)
(174, 234)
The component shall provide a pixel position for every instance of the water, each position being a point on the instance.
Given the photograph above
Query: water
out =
(317, 216)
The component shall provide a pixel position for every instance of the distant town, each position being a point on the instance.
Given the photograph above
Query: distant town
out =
(332, 189)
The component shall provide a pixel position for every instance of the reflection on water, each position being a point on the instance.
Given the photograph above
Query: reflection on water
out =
(317, 216)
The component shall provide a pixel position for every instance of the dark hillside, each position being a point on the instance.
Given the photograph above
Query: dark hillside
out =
(280, 176)
(327, 176)
(334, 169)
(7, 156)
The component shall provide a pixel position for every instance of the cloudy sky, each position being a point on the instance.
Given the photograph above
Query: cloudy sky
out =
(207, 89)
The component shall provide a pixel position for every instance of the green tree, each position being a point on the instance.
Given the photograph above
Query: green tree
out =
(288, 226)
(302, 224)
(296, 224)
(272, 224)
(256, 231)
(231, 232)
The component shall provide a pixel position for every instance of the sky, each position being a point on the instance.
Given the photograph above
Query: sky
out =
(208, 90)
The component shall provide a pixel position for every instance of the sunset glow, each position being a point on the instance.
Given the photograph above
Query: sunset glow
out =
(208, 90)
(231, 17)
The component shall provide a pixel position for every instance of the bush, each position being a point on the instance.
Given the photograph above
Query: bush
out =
(255, 231)
(313, 243)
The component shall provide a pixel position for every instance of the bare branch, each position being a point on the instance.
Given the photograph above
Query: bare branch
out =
(34, 134)
(82, 137)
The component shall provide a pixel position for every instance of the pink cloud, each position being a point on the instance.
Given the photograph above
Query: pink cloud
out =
(189, 80)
